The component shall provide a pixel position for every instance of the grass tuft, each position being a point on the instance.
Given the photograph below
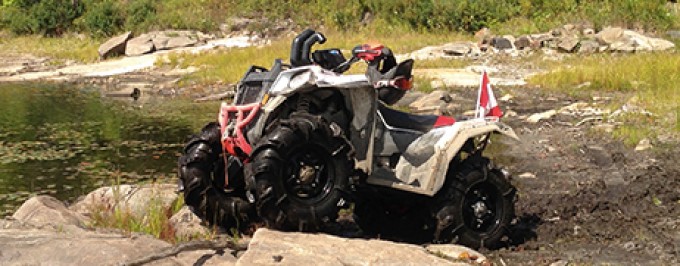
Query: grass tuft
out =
(71, 47)
(651, 78)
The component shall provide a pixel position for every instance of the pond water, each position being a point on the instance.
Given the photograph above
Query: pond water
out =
(65, 140)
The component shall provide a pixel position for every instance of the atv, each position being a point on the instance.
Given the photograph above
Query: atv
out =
(302, 141)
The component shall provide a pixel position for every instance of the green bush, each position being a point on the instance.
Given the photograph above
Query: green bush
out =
(103, 19)
(16, 20)
(139, 14)
(54, 17)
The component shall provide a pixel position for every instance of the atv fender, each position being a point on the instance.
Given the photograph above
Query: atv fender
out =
(422, 168)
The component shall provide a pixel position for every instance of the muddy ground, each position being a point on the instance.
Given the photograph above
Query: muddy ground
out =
(585, 197)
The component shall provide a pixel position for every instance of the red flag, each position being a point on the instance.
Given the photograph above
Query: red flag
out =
(486, 101)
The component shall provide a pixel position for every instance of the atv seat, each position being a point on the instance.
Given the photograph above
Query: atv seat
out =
(422, 123)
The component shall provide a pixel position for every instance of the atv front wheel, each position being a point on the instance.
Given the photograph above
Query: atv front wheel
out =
(202, 172)
(301, 169)
(478, 206)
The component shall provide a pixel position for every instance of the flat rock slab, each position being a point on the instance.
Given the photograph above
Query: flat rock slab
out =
(270, 247)
(455, 77)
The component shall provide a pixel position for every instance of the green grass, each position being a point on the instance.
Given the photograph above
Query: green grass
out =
(71, 47)
(651, 77)
(155, 221)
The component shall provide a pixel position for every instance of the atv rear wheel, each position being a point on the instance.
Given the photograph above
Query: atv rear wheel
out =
(202, 172)
(478, 206)
(301, 171)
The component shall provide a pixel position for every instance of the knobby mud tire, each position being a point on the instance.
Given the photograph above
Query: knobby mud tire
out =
(473, 182)
(284, 199)
(201, 170)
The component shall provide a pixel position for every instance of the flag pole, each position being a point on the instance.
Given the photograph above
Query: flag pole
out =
(478, 108)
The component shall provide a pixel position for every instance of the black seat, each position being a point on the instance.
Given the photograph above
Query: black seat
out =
(422, 123)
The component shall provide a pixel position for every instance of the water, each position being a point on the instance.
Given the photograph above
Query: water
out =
(65, 141)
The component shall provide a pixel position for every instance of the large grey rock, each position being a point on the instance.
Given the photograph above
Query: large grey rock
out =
(609, 35)
(277, 248)
(44, 232)
(589, 46)
(181, 41)
(523, 42)
(673, 34)
(187, 225)
(432, 102)
(139, 45)
(114, 46)
(457, 49)
(501, 43)
(134, 199)
(568, 44)
(45, 210)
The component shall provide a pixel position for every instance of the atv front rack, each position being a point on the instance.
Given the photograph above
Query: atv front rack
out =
(233, 119)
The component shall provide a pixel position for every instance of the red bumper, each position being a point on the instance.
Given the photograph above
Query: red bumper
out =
(233, 138)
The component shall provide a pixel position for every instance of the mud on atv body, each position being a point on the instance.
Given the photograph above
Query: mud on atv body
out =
(302, 141)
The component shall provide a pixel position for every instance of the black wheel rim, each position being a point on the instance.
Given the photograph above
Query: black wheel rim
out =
(308, 174)
(482, 208)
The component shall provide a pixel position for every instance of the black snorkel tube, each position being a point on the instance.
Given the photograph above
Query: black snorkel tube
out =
(317, 37)
(296, 47)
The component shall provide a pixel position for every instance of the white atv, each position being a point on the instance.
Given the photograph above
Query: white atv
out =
(302, 141)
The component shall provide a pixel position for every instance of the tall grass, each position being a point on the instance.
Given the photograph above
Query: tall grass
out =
(71, 47)
(652, 78)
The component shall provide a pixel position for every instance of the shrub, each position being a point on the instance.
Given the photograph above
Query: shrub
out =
(103, 19)
(54, 17)
(16, 20)
(139, 14)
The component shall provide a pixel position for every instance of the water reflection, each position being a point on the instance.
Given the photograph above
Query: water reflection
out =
(63, 141)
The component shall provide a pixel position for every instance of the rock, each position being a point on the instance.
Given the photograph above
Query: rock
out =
(160, 42)
(187, 225)
(236, 24)
(609, 35)
(181, 41)
(560, 263)
(501, 43)
(589, 46)
(527, 175)
(569, 27)
(534, 118)
(456, 49)
(599, 156)
(523, 42)
(431, 102)
(643, 145)
(673, 34)
(114, 46)
(46, 210)
(631, 41)
(135, 199)
(409, 97)
(270, 247)
(588, 32)
(140, 45)
(568, 44)
(483, 35)
(457, 252)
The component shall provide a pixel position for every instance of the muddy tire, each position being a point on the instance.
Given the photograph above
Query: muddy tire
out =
(300, 170)
(201, 170)
(477, 206)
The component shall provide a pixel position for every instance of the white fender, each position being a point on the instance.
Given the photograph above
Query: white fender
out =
(427, 178)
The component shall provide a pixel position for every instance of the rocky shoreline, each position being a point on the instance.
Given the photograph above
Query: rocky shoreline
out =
(46, 231)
